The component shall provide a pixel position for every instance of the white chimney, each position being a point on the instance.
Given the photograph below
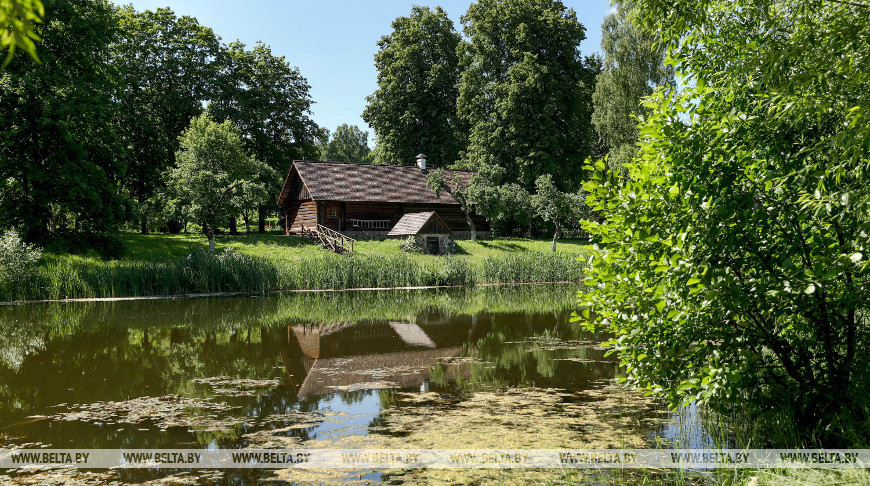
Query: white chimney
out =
(421, 161)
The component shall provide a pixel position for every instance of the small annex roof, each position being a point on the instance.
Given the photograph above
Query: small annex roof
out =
(351, 182)
(412, 223)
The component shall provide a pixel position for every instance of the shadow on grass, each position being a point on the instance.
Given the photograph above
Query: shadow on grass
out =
(502, 245)
(267, 239)
(458, 250)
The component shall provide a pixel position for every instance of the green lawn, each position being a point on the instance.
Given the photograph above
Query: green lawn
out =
(279, 247)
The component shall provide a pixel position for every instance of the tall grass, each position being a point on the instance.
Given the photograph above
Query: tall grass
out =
(203, 272)
(532, 267)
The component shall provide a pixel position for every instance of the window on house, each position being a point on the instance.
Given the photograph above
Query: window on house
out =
(333, 213)
(370, 223)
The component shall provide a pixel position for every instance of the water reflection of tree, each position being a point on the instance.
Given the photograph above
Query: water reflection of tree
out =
(543, 351)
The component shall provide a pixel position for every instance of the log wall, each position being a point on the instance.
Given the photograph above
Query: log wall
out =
(337, 216)
(301, 214)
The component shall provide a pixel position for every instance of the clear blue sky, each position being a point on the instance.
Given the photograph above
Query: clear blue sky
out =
(333, 42)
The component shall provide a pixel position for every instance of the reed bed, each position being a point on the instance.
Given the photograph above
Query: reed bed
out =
(204, 272)
(532, 267)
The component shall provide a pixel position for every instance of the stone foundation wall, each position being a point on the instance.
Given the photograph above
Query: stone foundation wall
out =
(366, 234)
(444, 243)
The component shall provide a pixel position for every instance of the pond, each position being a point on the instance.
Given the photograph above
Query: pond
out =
(486, 367)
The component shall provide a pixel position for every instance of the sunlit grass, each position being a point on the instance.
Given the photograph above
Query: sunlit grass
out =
(279, 247)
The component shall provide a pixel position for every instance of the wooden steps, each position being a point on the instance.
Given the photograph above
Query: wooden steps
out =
(329, 238)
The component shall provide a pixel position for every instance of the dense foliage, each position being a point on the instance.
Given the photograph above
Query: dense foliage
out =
(526, 91)
(732, 264)
(166, 66)
(347, 144)
(212, 172)
(268, 101)
(633, 67)
(58, 149)
(414, 108)
(93, 124)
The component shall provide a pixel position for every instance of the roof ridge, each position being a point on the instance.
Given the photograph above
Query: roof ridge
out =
(374, 165)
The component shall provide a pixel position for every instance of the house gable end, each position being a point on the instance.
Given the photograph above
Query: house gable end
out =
(294, 188)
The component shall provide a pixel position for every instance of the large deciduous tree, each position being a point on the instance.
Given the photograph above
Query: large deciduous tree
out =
(167, 66)
(414, 108)
(57, 148)
(733, 265)
(633, 67)
(212, 173)
(269, 102)
(347, 144)
(526, 91)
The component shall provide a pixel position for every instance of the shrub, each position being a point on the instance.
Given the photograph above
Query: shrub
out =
(733, 262)
(17, 258)
(411, 245)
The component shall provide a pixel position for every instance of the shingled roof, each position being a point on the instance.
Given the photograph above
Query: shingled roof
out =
(341, 181)
(412, 223)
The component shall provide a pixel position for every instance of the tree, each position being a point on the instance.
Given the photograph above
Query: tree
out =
(167, 67)
(553, 205)
(526, 91)
(251, 195)
(269, 102)
(733, 266)
(17, 19)
(633, 68)
(461, 187)
(58, 151)
(414, 108)
(348, 144)
(212, 169)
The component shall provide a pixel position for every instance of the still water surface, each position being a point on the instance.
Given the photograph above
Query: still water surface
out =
(459, 368)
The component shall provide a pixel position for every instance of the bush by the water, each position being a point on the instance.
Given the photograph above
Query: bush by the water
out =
(228, 271)
(17, 258)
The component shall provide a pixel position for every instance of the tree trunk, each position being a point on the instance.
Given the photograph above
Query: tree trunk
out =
(471, 227)
(556, 235)
(247, 222)
(233, 229)
(261, 223)
(173, 226)
(144, 227)
(210, 233)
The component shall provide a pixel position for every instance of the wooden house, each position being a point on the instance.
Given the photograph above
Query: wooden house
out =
(367, 200)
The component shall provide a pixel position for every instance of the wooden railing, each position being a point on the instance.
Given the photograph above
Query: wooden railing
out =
(329, 238)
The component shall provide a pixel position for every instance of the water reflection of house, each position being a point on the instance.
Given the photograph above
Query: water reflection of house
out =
(328, 358)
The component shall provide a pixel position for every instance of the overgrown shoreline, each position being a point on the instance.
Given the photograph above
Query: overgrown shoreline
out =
(231, 272)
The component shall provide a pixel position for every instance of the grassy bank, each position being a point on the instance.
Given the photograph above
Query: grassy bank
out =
(279, 247)
(172, 265)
